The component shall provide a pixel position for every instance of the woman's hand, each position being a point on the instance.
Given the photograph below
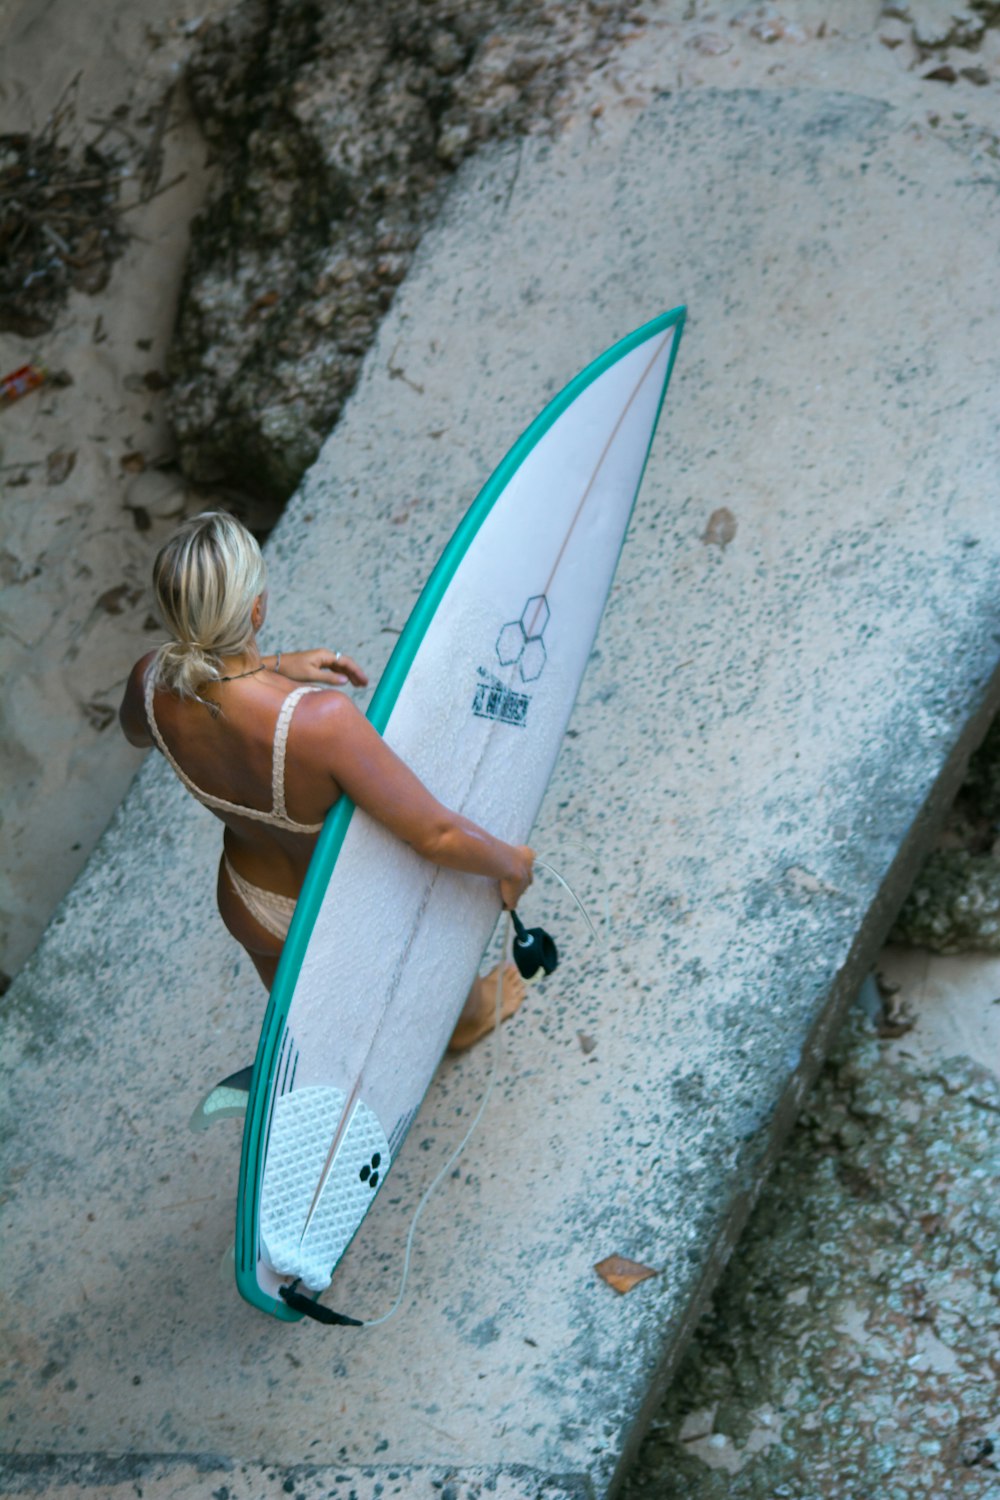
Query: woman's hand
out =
(513, 886)
(321, 666)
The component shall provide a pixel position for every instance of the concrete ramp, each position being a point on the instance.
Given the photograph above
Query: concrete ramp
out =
(799, 653)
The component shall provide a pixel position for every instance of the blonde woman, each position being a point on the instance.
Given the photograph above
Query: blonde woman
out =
(260, 743)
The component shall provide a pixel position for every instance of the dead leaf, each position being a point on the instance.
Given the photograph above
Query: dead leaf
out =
(133, 463)
(721, 528)
(944, 74)
(259, 304)
(98, 714)
(113, 601)
(623, 1274)
(587, 1043)
(59, 465)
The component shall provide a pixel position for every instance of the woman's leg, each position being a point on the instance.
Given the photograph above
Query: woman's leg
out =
(263, 946)
(479, 1014)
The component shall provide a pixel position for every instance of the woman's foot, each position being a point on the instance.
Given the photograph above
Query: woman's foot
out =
(479, 1015)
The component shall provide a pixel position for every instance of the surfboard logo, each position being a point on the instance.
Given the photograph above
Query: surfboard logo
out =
(520, 642)
(495, 701)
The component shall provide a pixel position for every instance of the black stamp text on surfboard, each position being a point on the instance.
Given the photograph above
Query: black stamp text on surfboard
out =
(494, 701)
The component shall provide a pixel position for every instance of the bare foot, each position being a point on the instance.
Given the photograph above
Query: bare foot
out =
(476, 1020)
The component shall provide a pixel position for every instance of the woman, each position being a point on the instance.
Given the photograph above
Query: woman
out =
(270, 756)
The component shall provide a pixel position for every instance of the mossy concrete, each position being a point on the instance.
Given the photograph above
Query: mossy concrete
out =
(851, 1347)
(778, 712)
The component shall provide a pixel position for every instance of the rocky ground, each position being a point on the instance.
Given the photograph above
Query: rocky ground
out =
(852, 1346)
(268, 169)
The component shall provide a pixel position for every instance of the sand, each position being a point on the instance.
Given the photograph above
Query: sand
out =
(75, 609)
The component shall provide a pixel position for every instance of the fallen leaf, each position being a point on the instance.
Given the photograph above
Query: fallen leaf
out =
(100, 715)
(710, 44)
(113, 601)
(133, 463)
(721, 528)
(587, 1043)
(59, 465)
(945, 74)
(623, 1274)
(265, 300)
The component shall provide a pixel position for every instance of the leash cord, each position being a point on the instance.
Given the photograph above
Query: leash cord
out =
(453, 1158)
(494, 1072)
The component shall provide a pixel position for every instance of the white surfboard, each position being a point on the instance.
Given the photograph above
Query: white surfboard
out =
(475, 699)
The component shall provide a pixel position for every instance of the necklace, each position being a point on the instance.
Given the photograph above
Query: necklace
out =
(237, 675)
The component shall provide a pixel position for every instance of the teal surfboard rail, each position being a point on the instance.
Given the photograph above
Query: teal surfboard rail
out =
(338, 820)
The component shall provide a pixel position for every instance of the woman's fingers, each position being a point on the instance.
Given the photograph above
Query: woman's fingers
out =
(322, 665)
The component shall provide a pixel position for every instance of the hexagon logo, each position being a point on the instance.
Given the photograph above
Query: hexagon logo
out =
(510, 643)
(535, 617)
(520, 641)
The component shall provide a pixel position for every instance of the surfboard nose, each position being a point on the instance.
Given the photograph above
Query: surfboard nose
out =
(301, 1237)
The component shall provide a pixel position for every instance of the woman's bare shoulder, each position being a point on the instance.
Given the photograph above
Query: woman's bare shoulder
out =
(329, 712)
(132, 714)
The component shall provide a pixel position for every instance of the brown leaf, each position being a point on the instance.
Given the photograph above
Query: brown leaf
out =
(133, 463)
(99, 714)
(113, 601)
(944, 74)
(265, 300)
(623, 1274)
(59, 465)
(721, 528)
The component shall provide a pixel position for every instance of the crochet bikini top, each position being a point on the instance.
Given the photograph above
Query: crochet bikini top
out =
(279, 813)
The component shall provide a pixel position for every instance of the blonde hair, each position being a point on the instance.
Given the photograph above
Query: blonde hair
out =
(206, 579)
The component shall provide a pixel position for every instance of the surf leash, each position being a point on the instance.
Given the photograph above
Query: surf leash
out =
(315, 1309)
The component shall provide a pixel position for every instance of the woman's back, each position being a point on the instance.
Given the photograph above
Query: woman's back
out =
(241, 762)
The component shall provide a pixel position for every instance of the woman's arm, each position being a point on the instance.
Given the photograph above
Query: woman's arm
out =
(132, 714)
(317, 666)
(374, 777)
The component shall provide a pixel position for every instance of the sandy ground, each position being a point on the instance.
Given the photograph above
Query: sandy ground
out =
(74, 601)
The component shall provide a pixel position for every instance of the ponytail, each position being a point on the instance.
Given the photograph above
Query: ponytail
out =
(206, 579)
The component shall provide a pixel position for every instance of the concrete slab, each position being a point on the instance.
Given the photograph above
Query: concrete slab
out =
(769, 732)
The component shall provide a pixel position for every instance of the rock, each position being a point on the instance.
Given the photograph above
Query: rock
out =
(954, 905)
(335, 129)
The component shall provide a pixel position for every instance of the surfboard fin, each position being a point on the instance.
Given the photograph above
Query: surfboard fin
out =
(315, 1310)
(227, 1100)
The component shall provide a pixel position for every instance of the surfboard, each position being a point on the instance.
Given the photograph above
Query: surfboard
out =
(475, 698)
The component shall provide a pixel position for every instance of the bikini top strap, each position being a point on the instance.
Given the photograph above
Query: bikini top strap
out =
(281, 729)
(149, 687)
(205, 798)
